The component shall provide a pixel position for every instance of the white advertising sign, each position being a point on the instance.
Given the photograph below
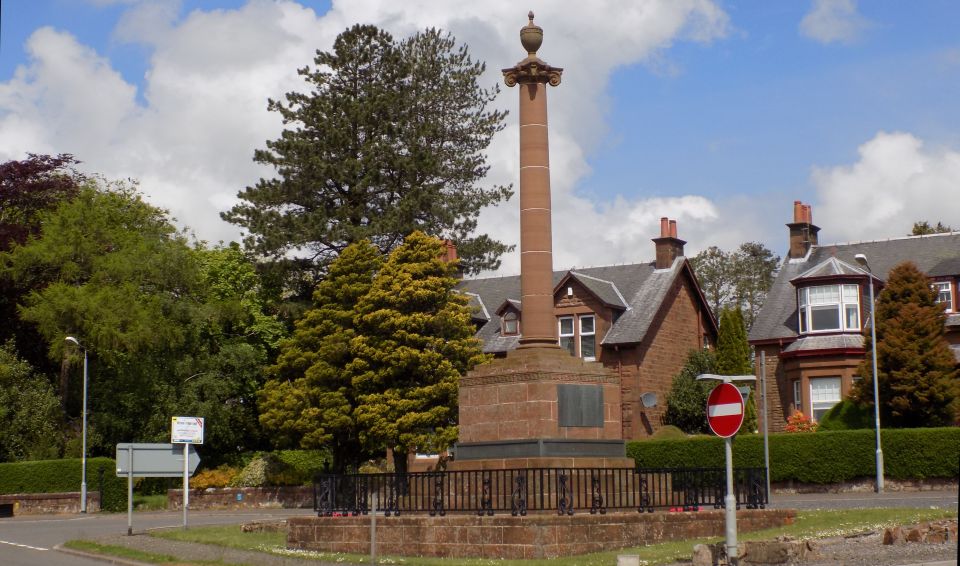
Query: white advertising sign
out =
(186, 430)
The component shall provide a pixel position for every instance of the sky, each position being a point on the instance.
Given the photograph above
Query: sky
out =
(716, 113)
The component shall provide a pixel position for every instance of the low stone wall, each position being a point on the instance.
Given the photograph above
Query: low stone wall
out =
(865, 485)
(293, 497)
(46, 503)
(533, 536)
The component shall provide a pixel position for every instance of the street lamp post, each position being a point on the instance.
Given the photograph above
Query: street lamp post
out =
(862, 260)
(83, 461)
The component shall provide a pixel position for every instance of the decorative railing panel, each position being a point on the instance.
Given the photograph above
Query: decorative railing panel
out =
(563, 491)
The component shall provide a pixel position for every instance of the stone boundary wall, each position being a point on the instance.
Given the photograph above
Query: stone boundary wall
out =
(865, 485)
(48, 503)
(507, 537)
(289, 497)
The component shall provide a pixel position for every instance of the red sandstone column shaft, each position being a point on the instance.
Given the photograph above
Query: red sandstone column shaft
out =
(538, 327)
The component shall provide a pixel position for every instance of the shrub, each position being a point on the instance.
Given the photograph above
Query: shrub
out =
(847, 415)
(57, 476)
(669, 432)
(218, 477)
(798, 422)
(824, 457)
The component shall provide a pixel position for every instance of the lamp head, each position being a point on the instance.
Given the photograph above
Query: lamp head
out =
(73, 340)
(862, 260)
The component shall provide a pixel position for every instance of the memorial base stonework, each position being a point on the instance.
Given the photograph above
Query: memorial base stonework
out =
(508, 537)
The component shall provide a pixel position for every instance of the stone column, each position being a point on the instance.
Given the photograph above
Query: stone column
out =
(538, 324)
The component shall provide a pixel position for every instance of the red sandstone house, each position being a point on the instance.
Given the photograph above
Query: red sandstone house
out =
(639, 320)
(812, 323)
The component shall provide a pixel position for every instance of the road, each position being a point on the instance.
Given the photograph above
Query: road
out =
(29, 540)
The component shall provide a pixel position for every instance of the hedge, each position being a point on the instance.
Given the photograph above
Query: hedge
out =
(57, 476)
(820, 457)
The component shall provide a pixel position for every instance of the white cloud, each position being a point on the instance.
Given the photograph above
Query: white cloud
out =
(202, 112)
(830, 21)
(897, 181)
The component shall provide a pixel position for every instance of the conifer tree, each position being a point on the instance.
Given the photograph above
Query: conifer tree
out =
(309, 400)
(414, 341)
(687, 400)
(733, 358)
(389, 138)
(917, 371)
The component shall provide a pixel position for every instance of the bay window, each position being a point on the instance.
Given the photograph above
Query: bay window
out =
(829, 308)
(824, 394)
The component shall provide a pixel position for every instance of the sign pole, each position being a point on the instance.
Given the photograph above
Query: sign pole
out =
(186, 484)
(129, 492)
(730, 502)
(766, 433)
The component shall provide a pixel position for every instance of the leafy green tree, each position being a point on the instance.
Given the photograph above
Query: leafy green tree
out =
(28, 188)
(917, 371)
(170, 328)
(733, 358)
(309, 400)
(414, 342)
(736, 279)
(390, 138)
(30, 419)
(687, 400)
(923, 228)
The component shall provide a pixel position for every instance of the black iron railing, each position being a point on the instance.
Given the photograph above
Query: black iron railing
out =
(520, 491)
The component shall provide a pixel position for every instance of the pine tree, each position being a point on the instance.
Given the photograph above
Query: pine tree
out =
(687, 400)
(391, 138)
(917, 372)
(309, 400)
(733, 358)
(414, 341)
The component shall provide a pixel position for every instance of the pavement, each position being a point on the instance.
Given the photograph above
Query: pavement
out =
(32, 540)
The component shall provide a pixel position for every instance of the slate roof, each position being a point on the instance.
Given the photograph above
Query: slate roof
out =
(637, 288)
(830, 342)
(936, 255)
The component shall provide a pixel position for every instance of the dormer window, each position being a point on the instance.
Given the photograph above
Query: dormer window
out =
(829, 308)
(578, 335)
(511, 324)
(944, 294)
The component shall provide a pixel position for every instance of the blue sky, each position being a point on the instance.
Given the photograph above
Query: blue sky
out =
(716, 113)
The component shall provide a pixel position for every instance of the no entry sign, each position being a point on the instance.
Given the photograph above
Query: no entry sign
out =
(725, 410)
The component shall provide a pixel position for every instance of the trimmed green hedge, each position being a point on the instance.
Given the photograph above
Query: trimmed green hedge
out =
(820, 457)
(55, 476)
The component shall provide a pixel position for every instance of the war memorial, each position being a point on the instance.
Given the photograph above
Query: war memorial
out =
(540, 469)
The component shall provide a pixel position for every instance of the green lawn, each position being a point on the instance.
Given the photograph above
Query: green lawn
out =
(809, 524)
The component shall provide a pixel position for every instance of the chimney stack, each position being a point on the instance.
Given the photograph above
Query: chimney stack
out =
(668, 246)
(803, 234)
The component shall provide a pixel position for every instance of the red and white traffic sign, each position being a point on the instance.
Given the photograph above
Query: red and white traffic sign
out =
(725, 410)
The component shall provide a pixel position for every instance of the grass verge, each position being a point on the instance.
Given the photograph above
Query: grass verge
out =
(120, 552)
(149, 502)
(809, 524)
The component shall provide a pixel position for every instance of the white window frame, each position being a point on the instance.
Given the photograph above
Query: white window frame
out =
(817, 298)
(944, 286)
(587, 335)
(571, 341)
(797, 397)
(510, 317)
(822, 397)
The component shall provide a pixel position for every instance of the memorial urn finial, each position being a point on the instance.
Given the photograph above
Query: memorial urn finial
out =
(531, 36)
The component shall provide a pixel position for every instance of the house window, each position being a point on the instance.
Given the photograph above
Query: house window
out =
(824, 394)
(944, 294)
(829, 308)
(588, 338)
(511, 325)
(797, 399)
(578, 335)
(567, 335)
